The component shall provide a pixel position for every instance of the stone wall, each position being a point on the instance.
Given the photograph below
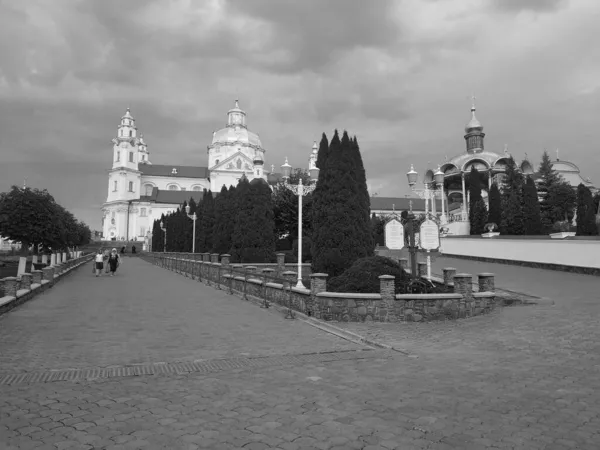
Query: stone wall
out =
(15, 291)
(384, 306)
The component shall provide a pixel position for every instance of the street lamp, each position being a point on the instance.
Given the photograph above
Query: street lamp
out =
(193, 217)
(164, 230)
(429, 193)
(301, 190)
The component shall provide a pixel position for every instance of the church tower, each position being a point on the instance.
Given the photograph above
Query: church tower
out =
(143, 153)
(124, 179)
(474, 133)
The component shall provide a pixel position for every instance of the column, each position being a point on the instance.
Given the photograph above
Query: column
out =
(464, 196)
(486, 282)
(489, 181)
(444, 219)
(387, 290)
(318, 283)
(449, 273)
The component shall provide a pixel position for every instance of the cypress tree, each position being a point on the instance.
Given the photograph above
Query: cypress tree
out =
(548, 178)
(323, 151)
(208, 221)
(359, 173)
(478, 216)
(224, 221)
(586, 213)
(495, 206)
(341, 225)
(475, 211)
(532, 219)
(512, 201)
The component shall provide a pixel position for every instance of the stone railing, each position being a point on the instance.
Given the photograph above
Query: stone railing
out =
(17, 290)
(385, 306)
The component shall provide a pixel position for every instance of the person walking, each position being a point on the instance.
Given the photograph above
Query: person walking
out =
(106, 265)
(99, 261)
(113, 261)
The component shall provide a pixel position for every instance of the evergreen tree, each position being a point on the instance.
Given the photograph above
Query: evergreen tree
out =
(378, 229)
(548, 178)
(512, 201)
(208, 221)
(561, 200)
(532, 219)
(253, 237)
(476, 214)
(359, 173)
(495, 206)
(323, 151)
(285, 208)
(341, 224)
(586, 213)
(224, 221)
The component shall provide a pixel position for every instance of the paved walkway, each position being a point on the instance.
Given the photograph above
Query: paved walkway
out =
(521, 378)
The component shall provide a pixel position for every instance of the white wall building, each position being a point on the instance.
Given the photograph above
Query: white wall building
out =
(140, 192)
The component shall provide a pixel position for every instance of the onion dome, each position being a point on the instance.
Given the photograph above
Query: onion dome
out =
(258, 159)
(473, 124)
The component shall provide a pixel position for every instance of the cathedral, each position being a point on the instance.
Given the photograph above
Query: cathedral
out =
(140, 192)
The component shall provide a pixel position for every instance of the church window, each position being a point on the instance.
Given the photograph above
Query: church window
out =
(130, 156)
(131, 186)
(217, 162)
(143, 213)
(197, 188)
(172, 187)
(149, 189)
(118, 156)
(115, 186)
(239, 163)
(142, 231)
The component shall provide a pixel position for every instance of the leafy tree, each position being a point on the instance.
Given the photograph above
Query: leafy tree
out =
(548, 178)
(253, 237)
(495, 205)
(586, 212)
(323, 152)
(512, 201)
(285, 208)
(532, 219)
(341, 222)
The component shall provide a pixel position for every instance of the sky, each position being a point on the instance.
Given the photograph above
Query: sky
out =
(397, 74)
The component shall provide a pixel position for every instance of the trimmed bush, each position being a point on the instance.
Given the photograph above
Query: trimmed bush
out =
(363, 276)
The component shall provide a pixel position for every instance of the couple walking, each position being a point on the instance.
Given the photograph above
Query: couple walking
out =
(112, 260)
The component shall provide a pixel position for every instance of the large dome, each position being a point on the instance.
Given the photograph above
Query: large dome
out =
(236, 131)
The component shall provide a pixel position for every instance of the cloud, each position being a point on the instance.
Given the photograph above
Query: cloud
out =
(397, 74)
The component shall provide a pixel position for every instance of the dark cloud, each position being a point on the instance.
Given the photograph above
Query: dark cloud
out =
(529, 5)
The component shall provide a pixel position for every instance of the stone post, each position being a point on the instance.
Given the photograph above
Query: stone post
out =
(10, 286)
(290, 276)
(48, 274)
(486, 282)
(36, 276)
(268, 272)
(462, 284)
(26, 281)
(250, 269)
(449, 273)
(280, 264)
(387, 289)
(318, 283)
(64, 257)
(45, 259)
(403, 263)
(214, 257)
(34, 259)
(225, 260)
(422, 269)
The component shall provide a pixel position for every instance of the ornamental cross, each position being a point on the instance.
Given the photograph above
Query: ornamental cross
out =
(557, 154)
(473, 99)
(410, 204)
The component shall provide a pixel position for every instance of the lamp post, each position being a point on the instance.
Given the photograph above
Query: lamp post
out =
(164, 230)
(301, 190)
(193, 217)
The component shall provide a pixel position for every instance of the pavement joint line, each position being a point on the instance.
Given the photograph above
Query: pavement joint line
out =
(203, 367)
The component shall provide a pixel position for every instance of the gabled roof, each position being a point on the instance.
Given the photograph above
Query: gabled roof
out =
(400, 204)
(173, 197)
(158, 170)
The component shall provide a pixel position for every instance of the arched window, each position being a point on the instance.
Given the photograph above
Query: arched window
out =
(143, 213)
(148, 189)
(118, 156)
(172, 187)
(115, 186)
(197, 188)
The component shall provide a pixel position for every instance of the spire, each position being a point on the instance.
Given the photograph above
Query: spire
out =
(474, 132)
(236, 117)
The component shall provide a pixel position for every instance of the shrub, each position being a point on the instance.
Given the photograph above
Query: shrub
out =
(363, 275)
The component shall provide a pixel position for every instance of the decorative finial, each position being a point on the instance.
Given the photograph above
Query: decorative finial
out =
(526, 157)
(237, 104)
(557, 155)
(506, 149)
(315, 147)
(473, 102)
(24, 182)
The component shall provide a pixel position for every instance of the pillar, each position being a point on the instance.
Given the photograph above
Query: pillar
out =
(250, 269)
(464, 196)
(26, 281)
(449, 273)
(36, 276)
(45, 259)
(206, 257)
(462, 284)
(422, 269)
(268, 272)
(486, 282)
(318, 283)
(225, 260)
(214, 257)
(10, 286)
(290, 276)
(387, 290)
(489, 182)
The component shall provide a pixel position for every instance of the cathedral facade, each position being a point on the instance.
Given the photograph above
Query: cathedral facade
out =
(140, 192)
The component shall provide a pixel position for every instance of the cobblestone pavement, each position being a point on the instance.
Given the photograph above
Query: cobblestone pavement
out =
(524, 377)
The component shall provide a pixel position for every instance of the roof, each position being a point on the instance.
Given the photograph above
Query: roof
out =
(400, 204)
(158, 170)
(172, 197)
(236, 135)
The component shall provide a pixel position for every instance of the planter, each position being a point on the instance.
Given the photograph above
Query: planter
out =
(562, 234)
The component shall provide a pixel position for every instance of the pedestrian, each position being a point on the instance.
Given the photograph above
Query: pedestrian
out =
(106, 255)
(113, 261)
(99, 261)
